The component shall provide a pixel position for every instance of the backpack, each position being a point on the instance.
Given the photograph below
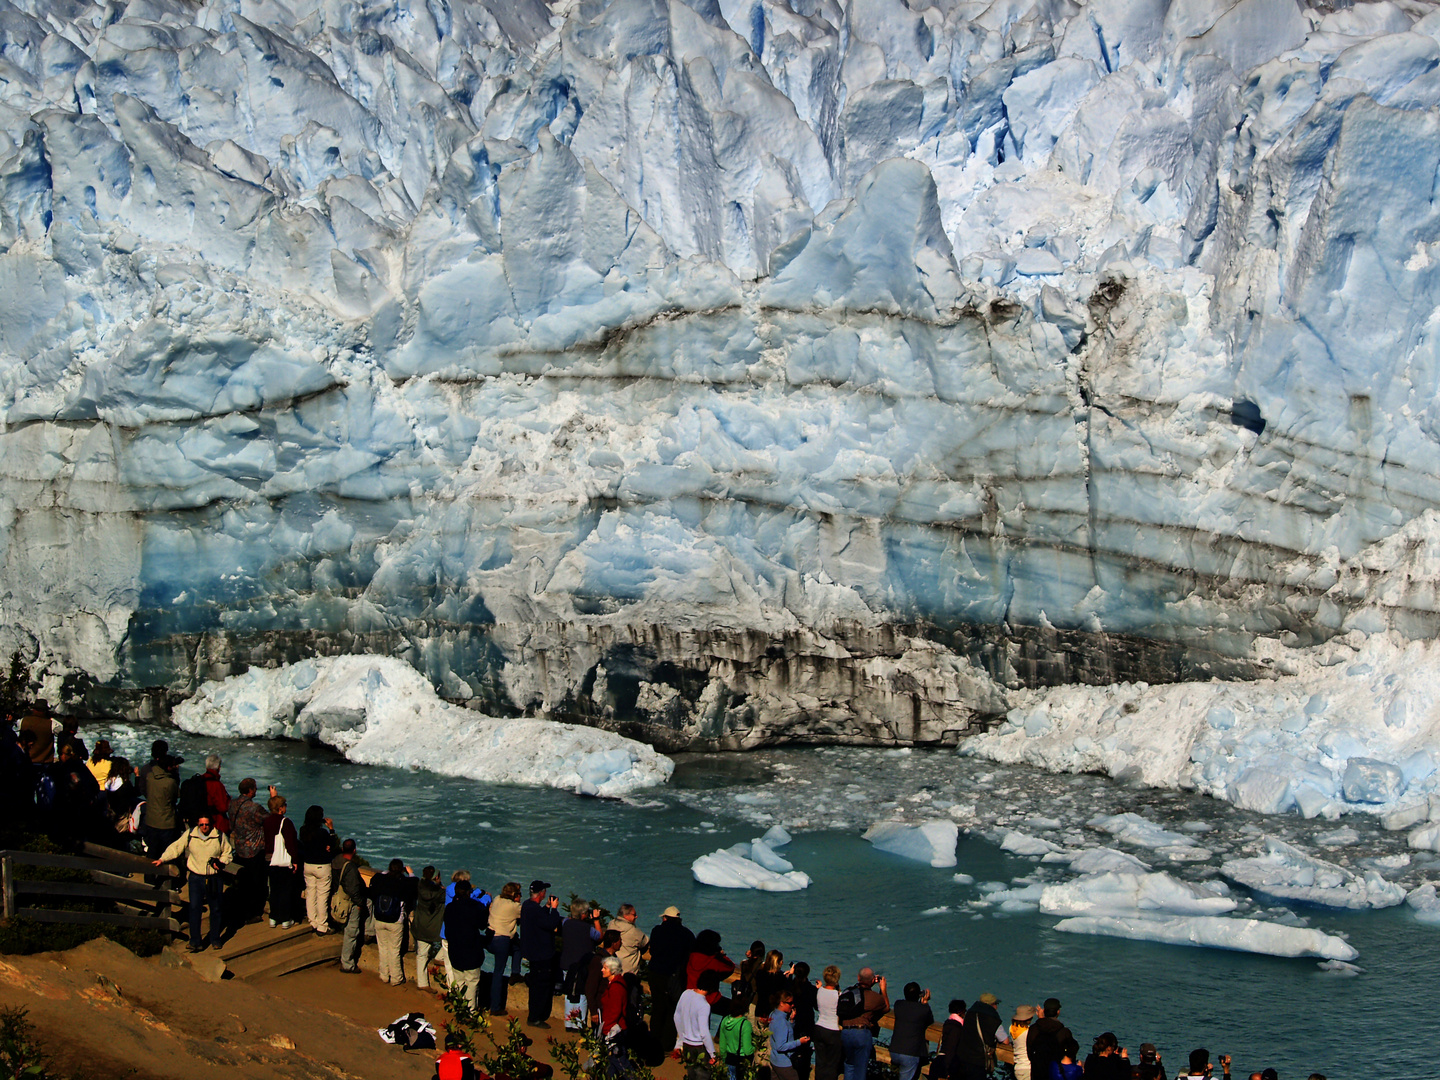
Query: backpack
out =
(851, 1004)
(194, 799)
(341, 905)
(388, 907)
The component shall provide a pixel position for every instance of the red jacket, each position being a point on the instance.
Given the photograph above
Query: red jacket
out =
(700, 962)
(612, 1006)
(454, 1065)
(218, 799)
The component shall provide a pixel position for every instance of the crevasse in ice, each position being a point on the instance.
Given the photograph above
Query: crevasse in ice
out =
(740, 370)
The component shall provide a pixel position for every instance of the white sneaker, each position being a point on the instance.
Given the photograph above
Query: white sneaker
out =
(274, 923)
(287, 925)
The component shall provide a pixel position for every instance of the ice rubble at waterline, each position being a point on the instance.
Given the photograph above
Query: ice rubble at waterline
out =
(377, 710)
(526, 339)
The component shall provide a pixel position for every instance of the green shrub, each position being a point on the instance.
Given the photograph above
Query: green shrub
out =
(23, 937)
(20, 1055)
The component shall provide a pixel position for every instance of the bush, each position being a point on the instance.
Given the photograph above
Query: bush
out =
(23, 937)
(20, 1055)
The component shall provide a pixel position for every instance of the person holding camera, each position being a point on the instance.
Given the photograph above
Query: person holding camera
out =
(539, 922)
(207, 851)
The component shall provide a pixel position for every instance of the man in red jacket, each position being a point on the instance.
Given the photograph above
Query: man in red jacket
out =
(454, 1064)
(216, 797)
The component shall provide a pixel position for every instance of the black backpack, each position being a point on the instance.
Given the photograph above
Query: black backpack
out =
(388, 906)
(851, 1004)
(194, 799)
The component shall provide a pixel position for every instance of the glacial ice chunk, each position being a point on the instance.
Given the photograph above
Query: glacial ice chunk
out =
(1018, 843)
(377, 710)
(1370, 781)
(1130, 894)
(727, 870)
(1216, 932)
(1287, 873)
(1425, 903)
(932, 842)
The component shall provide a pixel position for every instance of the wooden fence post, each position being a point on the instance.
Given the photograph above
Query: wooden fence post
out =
(7, 871)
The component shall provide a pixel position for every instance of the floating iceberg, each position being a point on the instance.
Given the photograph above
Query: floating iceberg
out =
(1287, 873)
(1123, 894)
(1131, 828)
(1424, 902)
(1216, 932)
(728, 870)
(1018, 843)
(1106, 860)
(932, 842)
(377, 710)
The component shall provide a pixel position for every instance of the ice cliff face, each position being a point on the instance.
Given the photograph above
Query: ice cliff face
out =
(736, 370)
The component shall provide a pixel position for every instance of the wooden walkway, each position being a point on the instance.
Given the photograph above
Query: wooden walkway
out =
(260, 951)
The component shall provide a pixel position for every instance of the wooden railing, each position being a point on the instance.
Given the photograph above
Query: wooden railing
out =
(115, 876)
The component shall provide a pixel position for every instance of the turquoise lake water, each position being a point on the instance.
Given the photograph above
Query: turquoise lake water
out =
(904, 918)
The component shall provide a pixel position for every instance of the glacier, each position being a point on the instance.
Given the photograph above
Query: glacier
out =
(723, 372)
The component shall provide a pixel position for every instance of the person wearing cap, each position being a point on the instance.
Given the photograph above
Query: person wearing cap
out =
(1047, 1036)
(1019, 1036)
(634, 942)
(670, 945)
(975, 1053)
(539, 922)
(1151, 1067)
(908, 1043)
(37, 722)
(1108, 1060)
(206, 851)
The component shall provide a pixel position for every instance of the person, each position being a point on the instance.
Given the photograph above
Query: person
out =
(634, 942)
(1019, 1035)
(217, 799)
(783, 1038)
(466, 927)
(1107, 1060)
(735, 1045)
(37, 723)
(1067, 1068)
(282, 851)
(670, 944)
(160, 823)
(707, 956)
(75, 810)
(594, 979)
(857, 1033)
(392, 898)
(353, 886)
(69, 736)
(101, 762)
(611, 1010)
(803, 1018)
(206, 851)
(1047, 1036)
(538, 922)
(692, 1025)
(909, 1045)
(429, 916)
(578, 936)
(946, 1063)
(454, 1063)
(975, 1053)
(745, 990)
(504, 917)
(769, 981)
(828, 1049)
(247, 837)
(1151, 1067)
(1199, 1063)
(318, 847)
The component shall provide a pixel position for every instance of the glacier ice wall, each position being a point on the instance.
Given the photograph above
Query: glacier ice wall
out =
(736, 370)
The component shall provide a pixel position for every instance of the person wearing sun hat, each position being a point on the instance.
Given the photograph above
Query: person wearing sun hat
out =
(1019, 1034)
(982, 1031)
(671, 943)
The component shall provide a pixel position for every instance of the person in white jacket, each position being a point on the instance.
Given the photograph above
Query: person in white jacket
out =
(207, 851)
(1019, 1030)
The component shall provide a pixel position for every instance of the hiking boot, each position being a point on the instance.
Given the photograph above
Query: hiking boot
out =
(538, 1024)
(192, 947)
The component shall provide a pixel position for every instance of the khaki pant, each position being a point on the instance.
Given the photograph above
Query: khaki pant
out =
(388, 938)
(425, 951)
(317, 897)
(468, 979)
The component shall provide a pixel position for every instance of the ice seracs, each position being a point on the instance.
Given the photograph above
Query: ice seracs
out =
(378, 710)
(922, 357)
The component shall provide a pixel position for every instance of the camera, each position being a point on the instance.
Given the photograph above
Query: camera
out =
(216, 865)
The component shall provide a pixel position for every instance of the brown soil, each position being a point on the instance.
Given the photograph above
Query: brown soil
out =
(99, 1010)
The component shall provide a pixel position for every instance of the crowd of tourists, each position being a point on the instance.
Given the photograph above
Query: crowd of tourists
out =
(671, 991)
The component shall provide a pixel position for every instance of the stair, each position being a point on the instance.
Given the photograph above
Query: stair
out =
(260, 952)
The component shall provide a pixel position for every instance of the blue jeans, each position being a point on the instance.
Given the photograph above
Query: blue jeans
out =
(501, 947)
(205, 890)
(906, 1065)
(855, 1047)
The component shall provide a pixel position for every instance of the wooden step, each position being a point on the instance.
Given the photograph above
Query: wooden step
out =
(260, 936)
(285, 957)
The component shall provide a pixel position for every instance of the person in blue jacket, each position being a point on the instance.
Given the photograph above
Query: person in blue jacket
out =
(783, 1039)
(539, 922)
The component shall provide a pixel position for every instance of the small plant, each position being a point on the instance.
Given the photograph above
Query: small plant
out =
(20, 1055)
(589, 1056)
(510, 1059)
(463, 1020)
